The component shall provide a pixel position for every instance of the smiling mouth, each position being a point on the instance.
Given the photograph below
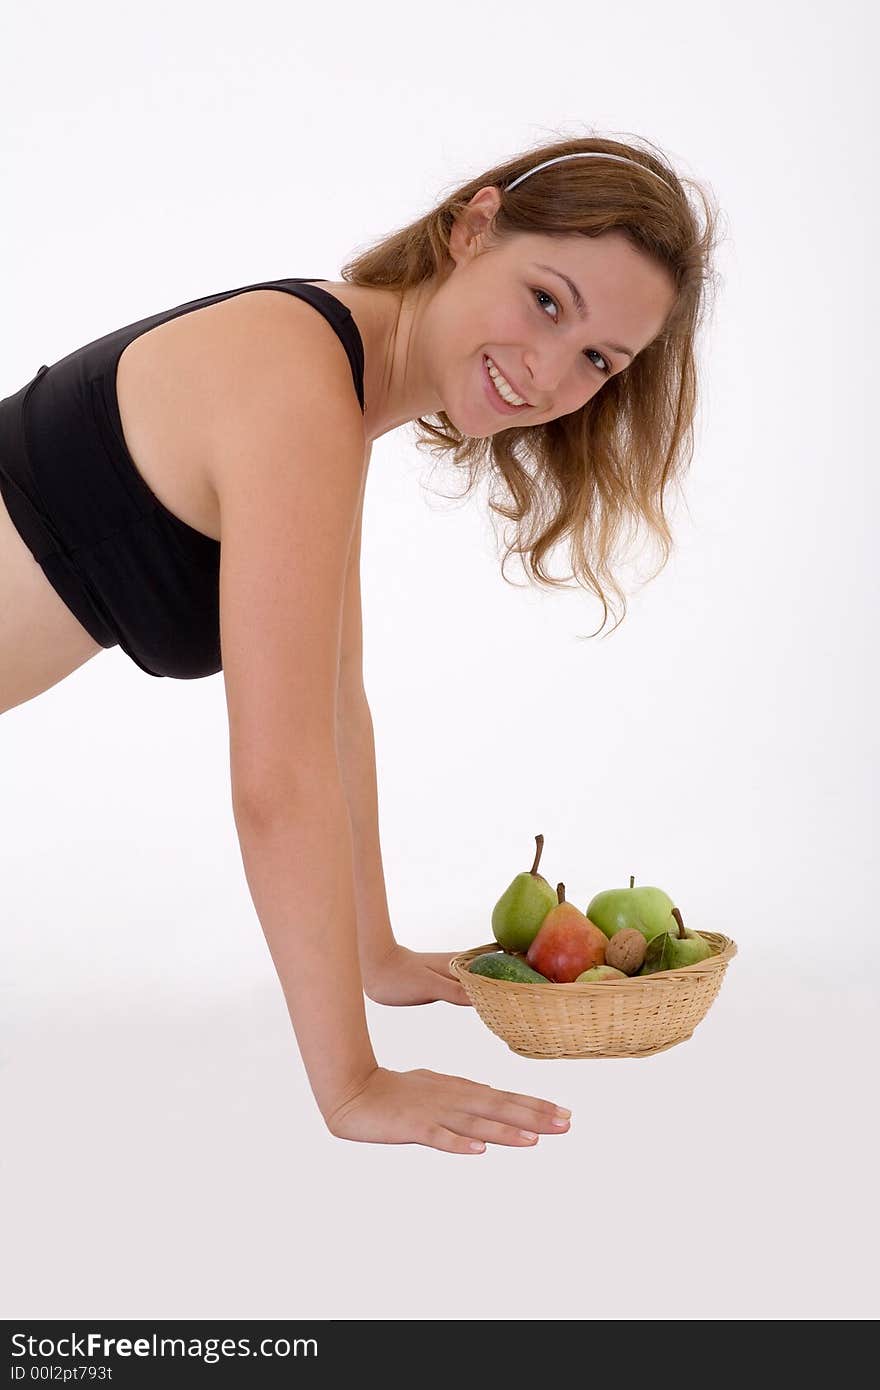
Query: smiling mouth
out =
(506, 407)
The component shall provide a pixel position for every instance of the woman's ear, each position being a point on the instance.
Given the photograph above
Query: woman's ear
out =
(473, 224)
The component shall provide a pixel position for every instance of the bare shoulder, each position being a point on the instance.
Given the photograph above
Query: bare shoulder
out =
(181, 384)
(271, 361)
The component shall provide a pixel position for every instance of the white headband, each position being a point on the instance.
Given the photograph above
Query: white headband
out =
(586, 154)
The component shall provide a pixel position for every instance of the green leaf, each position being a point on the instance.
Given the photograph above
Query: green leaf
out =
(658, 955)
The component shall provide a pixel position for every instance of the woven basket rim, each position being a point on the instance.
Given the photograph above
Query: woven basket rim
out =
(727, 949)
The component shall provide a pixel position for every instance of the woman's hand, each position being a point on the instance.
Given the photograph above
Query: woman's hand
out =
(413, 977)
(441, 1112)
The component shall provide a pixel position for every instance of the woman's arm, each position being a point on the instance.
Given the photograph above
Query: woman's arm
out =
(357, 762)
(297, 857)
(286, 447)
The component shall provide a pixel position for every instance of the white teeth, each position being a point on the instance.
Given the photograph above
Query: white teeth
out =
(505, 390)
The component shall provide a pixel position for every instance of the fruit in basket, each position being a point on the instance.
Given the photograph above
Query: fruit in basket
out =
(626, 950)
(566, 943)
(597, 973)
(522, 907)
(676, 949)
(498, 965)
(645, 909)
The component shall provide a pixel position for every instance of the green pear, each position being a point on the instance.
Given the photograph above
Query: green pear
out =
(675, 949)
(522, 907)
(646, 909)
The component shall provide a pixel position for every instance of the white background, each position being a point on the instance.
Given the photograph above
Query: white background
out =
(163, 1156)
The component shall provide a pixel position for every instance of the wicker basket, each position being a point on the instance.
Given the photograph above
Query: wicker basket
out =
(617, 1018)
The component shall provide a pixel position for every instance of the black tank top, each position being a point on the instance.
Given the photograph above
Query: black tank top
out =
(152, 579)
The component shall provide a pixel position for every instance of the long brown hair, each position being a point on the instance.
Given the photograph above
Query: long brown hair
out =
(584, 475)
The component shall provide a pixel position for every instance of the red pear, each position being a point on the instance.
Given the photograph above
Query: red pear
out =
(567, 943)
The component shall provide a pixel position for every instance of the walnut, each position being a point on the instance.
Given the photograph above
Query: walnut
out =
(626, 950)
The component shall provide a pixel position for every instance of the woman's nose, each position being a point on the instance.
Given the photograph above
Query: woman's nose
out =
(547, 372)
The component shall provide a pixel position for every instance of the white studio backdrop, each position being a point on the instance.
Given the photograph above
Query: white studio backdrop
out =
(163, 1155)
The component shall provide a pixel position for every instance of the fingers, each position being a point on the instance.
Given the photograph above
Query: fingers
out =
(440, 1137)
(451, 991)
(477, 1094)
(507, 1108)
(514, 1115)
(495, 1132)
(446, 985)
(545, 1110)
(469, 1133)
(439, 960)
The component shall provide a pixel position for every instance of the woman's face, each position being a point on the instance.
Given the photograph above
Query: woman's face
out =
(503, 300)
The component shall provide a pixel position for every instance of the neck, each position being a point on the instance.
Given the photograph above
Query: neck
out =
(397, 372)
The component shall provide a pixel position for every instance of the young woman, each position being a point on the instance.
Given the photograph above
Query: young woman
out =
(190, 488)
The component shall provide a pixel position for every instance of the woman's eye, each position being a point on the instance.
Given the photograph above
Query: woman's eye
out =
(606, 366)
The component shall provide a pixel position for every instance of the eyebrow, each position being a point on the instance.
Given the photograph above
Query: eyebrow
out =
(583, 309)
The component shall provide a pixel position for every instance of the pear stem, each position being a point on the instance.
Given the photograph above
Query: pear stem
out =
(539, 841)
(560, 892)
(677, 915)
(631, 880)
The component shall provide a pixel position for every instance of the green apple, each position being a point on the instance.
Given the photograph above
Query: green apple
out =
(522, 907)
(597, 973)
(675, 949)
(646, 909)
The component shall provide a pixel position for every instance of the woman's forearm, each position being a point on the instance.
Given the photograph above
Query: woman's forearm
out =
(357, 761)
(297, 859)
